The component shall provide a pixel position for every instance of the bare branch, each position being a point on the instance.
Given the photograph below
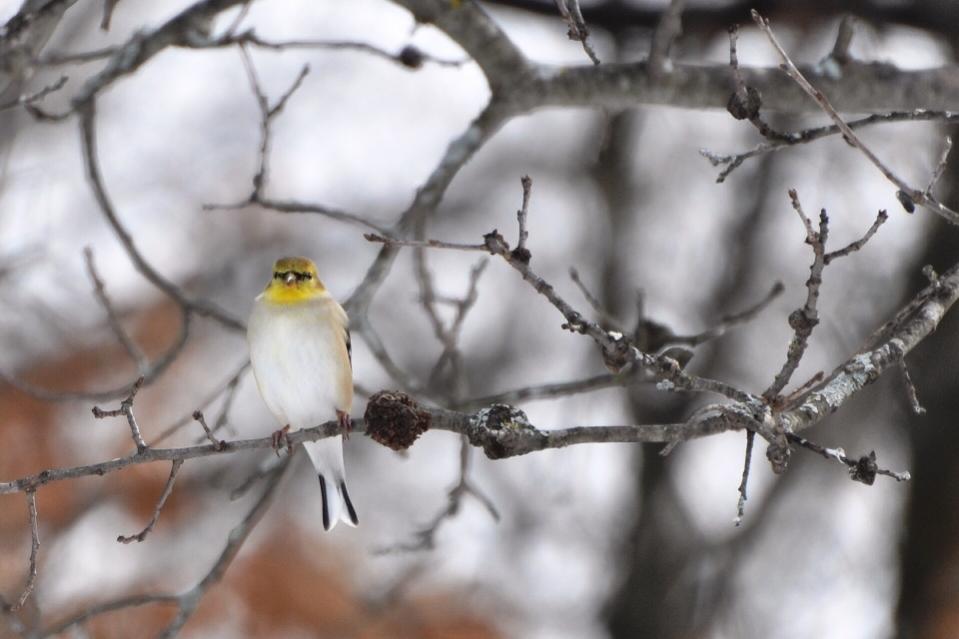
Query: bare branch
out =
(267, 113)
(668, 30)
(741, 505)
(440, 244)
(914, 195)
(862, 470)
(459, 151)
(914, 404)
(228, 388)
(840, 49)
(208, 432)
(425, 538)
(134, 601)
(296, 207)
(126, 409)
(189, 600)
(745, 101)
(594, 303)
(113, 319)
(30, 99)
(727, 322)
(34, 552)
(885, 348)
(805, 319)
(617, 349)
(940, 167)
(91, 160)
(521, 252)
(858, 244)
(158, 367)
(360, 324)
(451, 335)
(578, 31)
(561, 389)
(167, 489)
(477, 426)
(732, 162)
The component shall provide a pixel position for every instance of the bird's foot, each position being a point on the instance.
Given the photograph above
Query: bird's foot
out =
(281, 438)
(346, 424)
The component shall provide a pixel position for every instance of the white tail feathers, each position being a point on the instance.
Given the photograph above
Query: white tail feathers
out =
(327, 457)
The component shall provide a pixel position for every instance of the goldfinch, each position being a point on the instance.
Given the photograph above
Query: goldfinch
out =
(301, 357)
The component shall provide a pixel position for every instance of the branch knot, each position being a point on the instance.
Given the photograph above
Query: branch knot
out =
(395, 420)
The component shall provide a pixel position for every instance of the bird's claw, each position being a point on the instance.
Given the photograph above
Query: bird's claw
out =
(346, 424)
(282, 438)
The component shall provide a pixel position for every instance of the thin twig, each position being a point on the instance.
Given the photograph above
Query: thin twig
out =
(451, 335)
(521, 216)
(31, 99)
(113, 319)
(844, 34)
(104, 608)
(745, 102)
(578, 31)
(293, 207)
(668, 30)
(361, 325)
(217, 443)
(437, 244)
(741, 505)
(591, 299)
(907, 192)
(154, 371)
(940, 167)
(91, 159)
(732, 162)
(561, 389)
(425, 538)
(126, 409)
(410, 57)
(189, 600)
(167, 489)
(427, 197)
(732, 320)
(267, 113)
(858, 244)
(227, 387)
(34, 552)
(914, 404)
(238, 19)
(862, 470)
(804, 319)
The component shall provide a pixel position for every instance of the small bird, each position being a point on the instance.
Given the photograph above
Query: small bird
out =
(302, 361)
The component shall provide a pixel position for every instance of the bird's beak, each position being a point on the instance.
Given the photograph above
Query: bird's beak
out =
(290, 278)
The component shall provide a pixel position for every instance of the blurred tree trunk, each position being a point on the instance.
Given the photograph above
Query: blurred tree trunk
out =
(929, 597)
(661, 593)
(649, 602)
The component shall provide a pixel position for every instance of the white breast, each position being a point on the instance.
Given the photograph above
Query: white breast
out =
(296, 361)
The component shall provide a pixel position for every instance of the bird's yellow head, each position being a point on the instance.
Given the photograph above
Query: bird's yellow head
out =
(294, 280)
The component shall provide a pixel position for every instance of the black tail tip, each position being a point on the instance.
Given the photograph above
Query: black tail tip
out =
(327, 524)
(349, 504)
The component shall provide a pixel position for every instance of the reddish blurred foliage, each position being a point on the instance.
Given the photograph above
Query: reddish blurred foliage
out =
(30, 444)
(290, 586)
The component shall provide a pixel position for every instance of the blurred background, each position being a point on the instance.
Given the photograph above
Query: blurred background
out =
(593, 540)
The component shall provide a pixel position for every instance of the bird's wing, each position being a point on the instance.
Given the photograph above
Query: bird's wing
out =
(349, 348)
(344, 377)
